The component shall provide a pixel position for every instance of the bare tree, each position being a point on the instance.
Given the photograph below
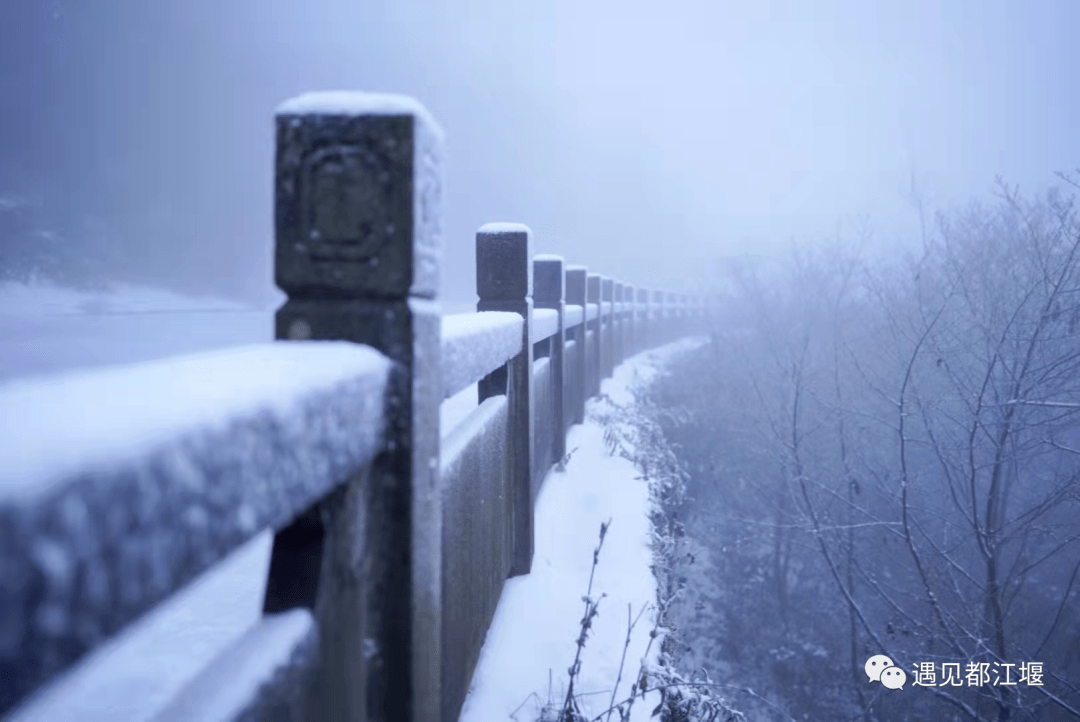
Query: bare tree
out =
(903, 453)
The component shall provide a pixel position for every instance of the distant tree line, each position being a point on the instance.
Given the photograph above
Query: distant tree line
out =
(884, 458)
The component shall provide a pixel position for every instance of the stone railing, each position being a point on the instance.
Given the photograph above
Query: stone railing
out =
(392, 541)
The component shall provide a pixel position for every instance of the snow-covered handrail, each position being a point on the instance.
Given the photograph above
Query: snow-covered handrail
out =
(545, 323)
(574, 315)
(121, 485)
(475, 344)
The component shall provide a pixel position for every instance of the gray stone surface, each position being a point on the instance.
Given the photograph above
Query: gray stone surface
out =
(504, 263)
(594, 342)
(607, 327)
(359, 216)
(576, 293)
(544, 423)
(477, 541)
(358, 204)
(572, 386)
(549, 292)
(548, 281)
(504, 275)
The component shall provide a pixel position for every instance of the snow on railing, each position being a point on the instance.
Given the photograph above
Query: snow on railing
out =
(392, 543)
(573, 316)
(119, 486)
(474, 345)
(545, 323)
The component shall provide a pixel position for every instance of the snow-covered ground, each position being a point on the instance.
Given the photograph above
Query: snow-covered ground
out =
(531, 643)
(46, 329)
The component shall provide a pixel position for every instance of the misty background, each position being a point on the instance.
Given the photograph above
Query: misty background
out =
(643, 141)
(853, 405)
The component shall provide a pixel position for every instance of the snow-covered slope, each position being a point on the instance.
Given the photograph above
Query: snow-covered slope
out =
(47, 329)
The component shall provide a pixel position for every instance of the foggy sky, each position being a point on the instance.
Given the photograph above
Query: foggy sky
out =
(640, 139)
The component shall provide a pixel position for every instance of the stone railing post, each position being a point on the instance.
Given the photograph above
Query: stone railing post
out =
(548, 292)
(643, 319)
(607, 296)
(576, 294)
(596, 353)
(632, 325)
(619, 325)
(504, 282)
(358, 223)
(628, 321)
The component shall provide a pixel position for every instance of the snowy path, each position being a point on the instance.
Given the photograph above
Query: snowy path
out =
(532, 637)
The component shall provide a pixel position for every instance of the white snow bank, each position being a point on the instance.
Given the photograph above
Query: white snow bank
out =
(351, 102)
(475, 344)
(501, 227)
(68, 423)
(533, 632)
(545, 322)
(547, 257)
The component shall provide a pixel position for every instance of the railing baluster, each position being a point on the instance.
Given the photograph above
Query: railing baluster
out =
(576, 294)
(596, 353)
(504, 282)
(358, 210)
(548, 290)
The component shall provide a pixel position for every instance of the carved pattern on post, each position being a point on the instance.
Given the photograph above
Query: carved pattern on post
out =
(504, 282)
(358, 214)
